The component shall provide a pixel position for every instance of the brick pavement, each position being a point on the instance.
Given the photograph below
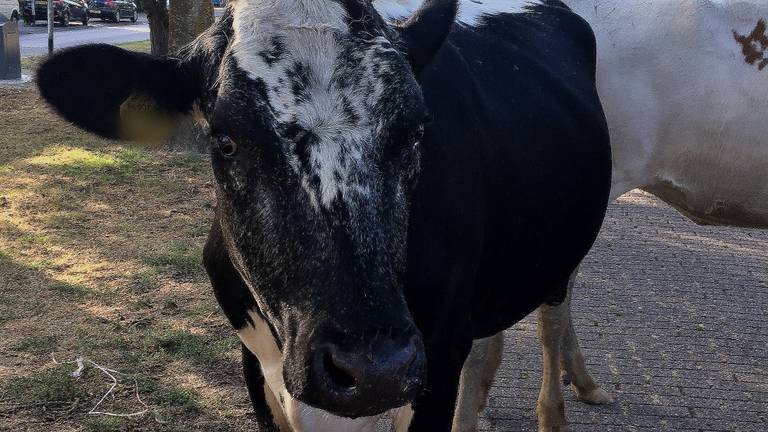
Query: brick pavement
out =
(673, 319)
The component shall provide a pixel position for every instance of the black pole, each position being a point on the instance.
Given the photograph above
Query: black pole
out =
(50, 26)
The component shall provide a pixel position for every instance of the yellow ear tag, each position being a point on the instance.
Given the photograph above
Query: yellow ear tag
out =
(142, 120)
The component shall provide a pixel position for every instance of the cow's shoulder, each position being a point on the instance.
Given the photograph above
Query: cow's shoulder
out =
(548, 30)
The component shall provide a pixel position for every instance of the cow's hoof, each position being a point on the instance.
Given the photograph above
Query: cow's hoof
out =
(597, 396)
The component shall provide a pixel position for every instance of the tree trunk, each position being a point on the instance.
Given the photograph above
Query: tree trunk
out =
(157, 14)
(188, 18)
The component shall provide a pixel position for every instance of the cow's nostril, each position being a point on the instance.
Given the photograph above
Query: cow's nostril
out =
(415, 364)
(338, 373)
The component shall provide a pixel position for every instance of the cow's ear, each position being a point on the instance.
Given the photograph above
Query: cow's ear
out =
(426, 30)
(117, 93)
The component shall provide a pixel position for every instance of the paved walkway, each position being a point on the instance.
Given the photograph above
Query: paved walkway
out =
(673, 319)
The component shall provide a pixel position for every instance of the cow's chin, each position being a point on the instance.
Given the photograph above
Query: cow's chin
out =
(290, 413)
(304, 418)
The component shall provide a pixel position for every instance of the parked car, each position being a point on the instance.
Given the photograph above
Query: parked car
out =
(113, 10)
(9, 10)
(64, 11)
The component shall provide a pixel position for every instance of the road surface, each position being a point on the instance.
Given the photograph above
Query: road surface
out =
(34, 40)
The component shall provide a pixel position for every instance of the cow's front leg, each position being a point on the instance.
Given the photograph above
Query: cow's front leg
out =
(269, 413)
(551, 406)
(573, 368)
(433, 409)
(476, 380)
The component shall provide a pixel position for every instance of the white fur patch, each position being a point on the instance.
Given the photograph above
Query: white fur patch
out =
(309, 31)
(302, 418)
(470, 11)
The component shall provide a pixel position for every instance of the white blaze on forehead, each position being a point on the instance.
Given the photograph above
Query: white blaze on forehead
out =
(470, 11)
(303, 418)
(309, 32)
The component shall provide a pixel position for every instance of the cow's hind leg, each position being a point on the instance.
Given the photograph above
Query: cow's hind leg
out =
(476, 381)
(574, 370)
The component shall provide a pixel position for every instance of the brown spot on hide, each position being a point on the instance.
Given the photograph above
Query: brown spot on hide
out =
(754, 46)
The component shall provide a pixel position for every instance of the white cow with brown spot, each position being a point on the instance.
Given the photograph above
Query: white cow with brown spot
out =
(684, 84)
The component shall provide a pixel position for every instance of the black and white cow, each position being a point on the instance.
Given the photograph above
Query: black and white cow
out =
(683, 84)
(386, 191)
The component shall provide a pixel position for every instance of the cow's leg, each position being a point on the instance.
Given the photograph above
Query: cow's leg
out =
(433, 410)
(551, 406)
(401, 418)
(476, 381)
(572, 365)
(269, 414)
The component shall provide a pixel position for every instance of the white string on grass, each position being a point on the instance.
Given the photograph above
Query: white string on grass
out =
(81, 362)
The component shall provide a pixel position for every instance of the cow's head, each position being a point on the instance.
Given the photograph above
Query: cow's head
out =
(315, 118)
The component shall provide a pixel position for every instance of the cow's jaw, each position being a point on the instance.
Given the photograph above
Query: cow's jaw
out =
(301, 417)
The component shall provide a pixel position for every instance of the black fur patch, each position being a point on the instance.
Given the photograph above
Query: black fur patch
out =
(275, 53)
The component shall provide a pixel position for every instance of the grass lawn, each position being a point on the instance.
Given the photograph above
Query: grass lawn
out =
(100, 257)
(31, 62)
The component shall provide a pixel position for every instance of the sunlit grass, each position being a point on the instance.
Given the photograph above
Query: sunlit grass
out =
(80, 162)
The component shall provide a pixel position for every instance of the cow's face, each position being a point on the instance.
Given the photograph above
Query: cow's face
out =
(315, 118)
(316, 127)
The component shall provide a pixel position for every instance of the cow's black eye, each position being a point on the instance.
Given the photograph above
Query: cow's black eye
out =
(227, 147)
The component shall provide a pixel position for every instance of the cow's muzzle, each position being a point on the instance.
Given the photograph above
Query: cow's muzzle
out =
(354, 382)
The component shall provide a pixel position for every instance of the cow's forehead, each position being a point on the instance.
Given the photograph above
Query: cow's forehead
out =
(322, 82)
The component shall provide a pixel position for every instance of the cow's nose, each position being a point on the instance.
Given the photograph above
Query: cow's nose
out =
(368, 382)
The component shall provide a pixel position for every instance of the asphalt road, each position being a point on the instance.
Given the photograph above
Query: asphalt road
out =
(34, 40)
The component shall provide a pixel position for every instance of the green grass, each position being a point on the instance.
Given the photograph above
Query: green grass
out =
(180, 401)
(197, 349)
(35, 344)
(32, 62)
(74, 291)
(157, 344)
(144, 281)
(92, 164)
(56, 389)
(140, 46)
(29, 240)
(52, 386)
(180, 259)
(190, 161)
(107, 424)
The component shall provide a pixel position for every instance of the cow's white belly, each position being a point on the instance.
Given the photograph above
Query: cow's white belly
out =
(688, 114)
